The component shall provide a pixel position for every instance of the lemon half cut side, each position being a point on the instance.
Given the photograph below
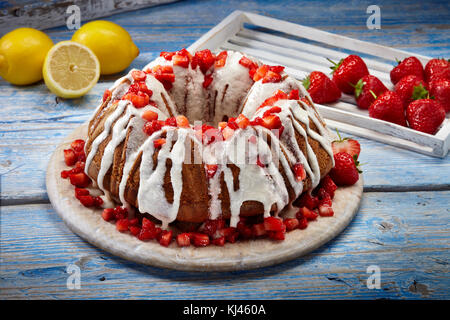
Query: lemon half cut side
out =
(70, 69)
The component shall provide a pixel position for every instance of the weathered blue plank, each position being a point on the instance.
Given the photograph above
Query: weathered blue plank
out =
(405, 234)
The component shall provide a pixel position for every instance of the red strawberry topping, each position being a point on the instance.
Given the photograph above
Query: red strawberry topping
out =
(408, 66)
(388, 107)
(437, 69)
(366, 88)
(425, 115)
(321, 88)
(440, 90)
(345, 171)
(348, 71)
(411, 88)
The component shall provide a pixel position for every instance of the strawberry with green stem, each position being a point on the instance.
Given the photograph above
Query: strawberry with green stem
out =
(347, 72)
(365, 88)
(348, 145)
(410, 88)
(321, 88)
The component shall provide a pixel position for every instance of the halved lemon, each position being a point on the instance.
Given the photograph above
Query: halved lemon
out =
(70, 69)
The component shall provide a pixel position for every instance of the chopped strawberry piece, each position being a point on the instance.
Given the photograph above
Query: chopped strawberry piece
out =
(108, 214)
(167, 55)
(299, 171)
(205, 59)
(158, 143)
(139, 100)
(271, 76)
(273, 224)
(65, 174)
(221, 59)
(146, 235)
(328, 184)
(258, 229)
(184, 239)
(259, 163)
(291, 223)
(309, 201)
(260, 72)
(302, 223)
(304, 212)
(172, 122)
(200, 240)
(138, 75)
(247, 63)
(227, 133)
(147, 224)
(242, 121)
(222, 124)
(232, 124)
(77, 145)
(179, 60)
(272, 122)
(81, 192)
(231, 234)
(150, 115)
(207, 81)
(87, 201)
(134, 222)
(182, 121)
(151, 127)
(277, 235)
(80, 180)
(106, 95)
(276, 69)
(70, 158)
(166, 237)
(211, 170)
(134, 230)
(122, 225)
(279, 95)
(326, 210)
(294, 95)
(210, 227)
(143, 88)
(271, 111)
(219, 241)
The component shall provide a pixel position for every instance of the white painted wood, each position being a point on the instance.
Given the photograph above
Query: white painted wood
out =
(300, 58)
(89, 225)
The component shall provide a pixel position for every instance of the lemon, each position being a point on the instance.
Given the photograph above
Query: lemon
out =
(111, 43)
(70, 69)
(22, 53)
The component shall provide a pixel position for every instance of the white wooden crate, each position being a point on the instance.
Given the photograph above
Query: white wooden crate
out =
(303, 49)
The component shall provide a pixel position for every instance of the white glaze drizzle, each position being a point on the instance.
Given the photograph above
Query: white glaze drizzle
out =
(264, 185)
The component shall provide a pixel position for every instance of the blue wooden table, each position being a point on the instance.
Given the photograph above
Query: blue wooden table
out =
(403, 225)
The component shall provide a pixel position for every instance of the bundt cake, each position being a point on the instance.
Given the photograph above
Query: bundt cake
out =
(201, 136)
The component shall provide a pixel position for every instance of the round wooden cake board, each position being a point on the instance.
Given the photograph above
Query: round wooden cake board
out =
(89, 224)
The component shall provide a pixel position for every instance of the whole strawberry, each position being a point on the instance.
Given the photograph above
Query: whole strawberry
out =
(409, 85)
(440, 90)
(321, 88)
(365, 88)
(345, 171)
(389, 107)
(408, 66)
(425, 115)
(437, 69)
(348, 71)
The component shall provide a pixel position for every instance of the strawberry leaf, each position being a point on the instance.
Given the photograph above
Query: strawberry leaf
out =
(335, 65)
(358, 88)
(306, 82)
(419, 92)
